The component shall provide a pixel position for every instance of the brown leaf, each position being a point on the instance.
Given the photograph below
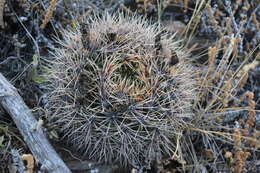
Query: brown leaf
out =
(30, 162)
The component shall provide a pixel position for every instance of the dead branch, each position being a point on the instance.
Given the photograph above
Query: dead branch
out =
(34, 137)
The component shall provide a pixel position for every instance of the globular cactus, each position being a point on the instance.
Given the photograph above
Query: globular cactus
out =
(118, 93)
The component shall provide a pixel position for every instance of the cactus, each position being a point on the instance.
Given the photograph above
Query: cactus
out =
(117, 92)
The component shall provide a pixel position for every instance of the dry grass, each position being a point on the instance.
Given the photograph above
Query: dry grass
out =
(49, 13)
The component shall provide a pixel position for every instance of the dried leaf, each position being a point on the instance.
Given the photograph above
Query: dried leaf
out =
(30, 162)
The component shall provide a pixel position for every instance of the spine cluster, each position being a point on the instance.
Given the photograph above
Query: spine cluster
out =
(120, 89)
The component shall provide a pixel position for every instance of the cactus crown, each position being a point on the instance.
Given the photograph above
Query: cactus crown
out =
(115, 93)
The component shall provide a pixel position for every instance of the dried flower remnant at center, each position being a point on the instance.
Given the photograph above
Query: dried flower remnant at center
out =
(115, 94)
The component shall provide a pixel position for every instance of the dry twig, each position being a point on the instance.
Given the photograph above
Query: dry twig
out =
(26, 123)
(49, 13)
